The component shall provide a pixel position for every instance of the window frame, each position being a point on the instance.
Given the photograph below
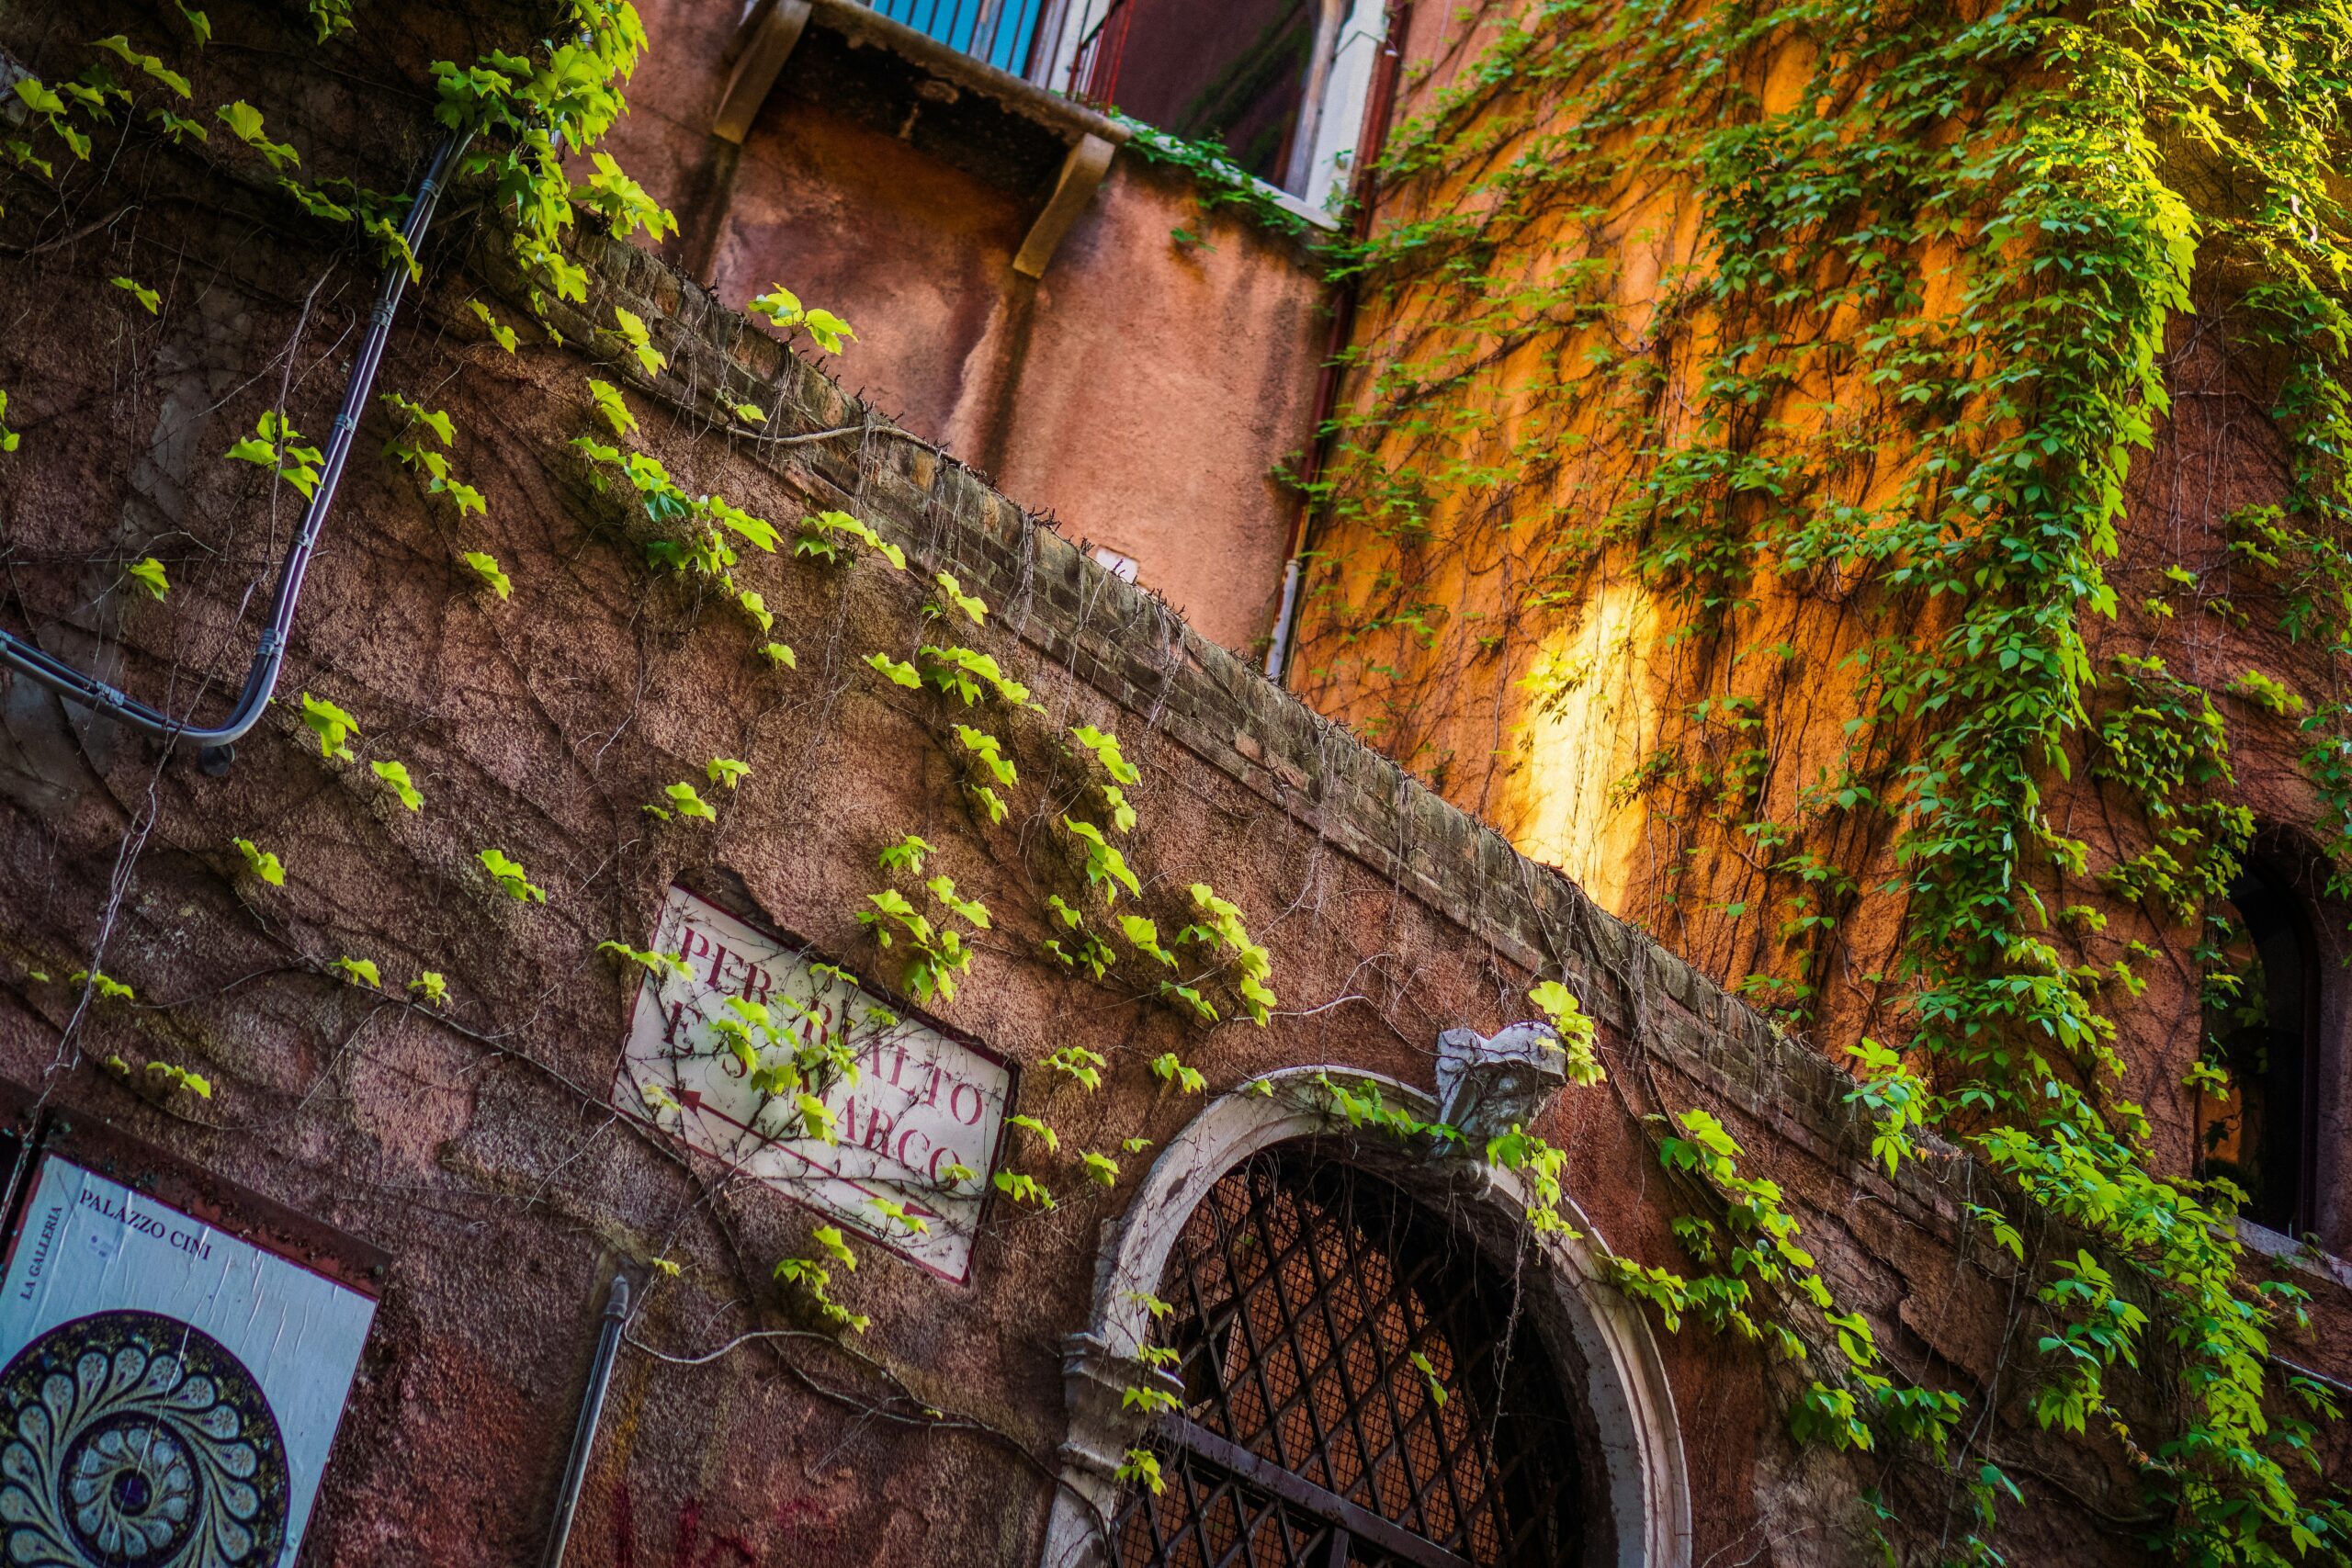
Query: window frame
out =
(1328, 1279)
(1602, 1343)
(1347, 39)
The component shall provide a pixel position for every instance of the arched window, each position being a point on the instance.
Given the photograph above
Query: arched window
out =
(2265, 1029)
(1360, 1387)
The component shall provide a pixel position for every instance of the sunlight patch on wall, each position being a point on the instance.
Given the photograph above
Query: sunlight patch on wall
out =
(1592, 703)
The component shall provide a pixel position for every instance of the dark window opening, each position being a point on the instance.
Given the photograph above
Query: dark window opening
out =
(1359, 1388)
(1233, 73)
(2262, 1022)
(1236, 72)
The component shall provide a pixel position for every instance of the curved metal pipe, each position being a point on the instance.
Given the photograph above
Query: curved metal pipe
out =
(36, 663)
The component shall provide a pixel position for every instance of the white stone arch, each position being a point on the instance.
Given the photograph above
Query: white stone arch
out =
(1632, 1405)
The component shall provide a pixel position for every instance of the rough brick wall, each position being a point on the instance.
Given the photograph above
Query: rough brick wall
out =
(1897, 1248)
(475, 1145)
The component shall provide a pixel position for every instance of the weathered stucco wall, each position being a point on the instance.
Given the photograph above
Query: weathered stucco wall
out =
(1144, 390)
(475, 1142)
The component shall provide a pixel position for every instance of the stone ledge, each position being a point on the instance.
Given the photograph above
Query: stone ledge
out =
(1125, 643)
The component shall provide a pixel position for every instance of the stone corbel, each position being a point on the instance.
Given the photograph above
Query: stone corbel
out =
(1485, 1086)
(1103, 1425)
(767, 41)
(1082, 171)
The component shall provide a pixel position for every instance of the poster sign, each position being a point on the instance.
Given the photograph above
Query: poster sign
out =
(914, 1122)
(169, 1392)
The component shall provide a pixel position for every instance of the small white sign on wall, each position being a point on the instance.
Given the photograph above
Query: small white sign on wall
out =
(168, 1392)
(916, 1124)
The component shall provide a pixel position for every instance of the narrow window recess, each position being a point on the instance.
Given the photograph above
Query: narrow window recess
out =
(2263, 1027)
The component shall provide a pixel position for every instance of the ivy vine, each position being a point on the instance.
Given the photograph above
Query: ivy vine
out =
(1828, 329)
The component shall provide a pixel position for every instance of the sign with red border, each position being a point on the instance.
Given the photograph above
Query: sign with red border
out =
(915, 1122)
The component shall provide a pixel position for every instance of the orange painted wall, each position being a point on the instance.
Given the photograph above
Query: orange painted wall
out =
(1504, 645)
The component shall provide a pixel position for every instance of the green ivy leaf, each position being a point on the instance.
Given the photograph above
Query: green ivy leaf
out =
(1143, 935)
(503, 336)
(149, 574)
(662, 965)
(1140, 1467)
(612, 408)
(1168, 1069)
(276, 445)
(906, 855)
(314, 201)
(146, 296)
(263, 863)
(154, 66)
(827, 329)
(37, 96)
(779, 305)
(971, 911)
(1045, 1134)
(333, 726)
(103, 986)
(244, 122)
(622, 201)
(823, 536)
(395, 776)
(436, 422)
(180, 1077)
(829, 1238)
(1081, 1063)
(486, 568)
(509, 876)
(687, 802)
(639, 341)
(1022, 1189)
(358, 972)
(972, 606)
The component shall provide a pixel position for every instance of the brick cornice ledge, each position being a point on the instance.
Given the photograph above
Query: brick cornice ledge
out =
(1127, 644)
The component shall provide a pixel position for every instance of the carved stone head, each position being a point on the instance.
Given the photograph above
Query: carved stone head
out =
(1485, 1086)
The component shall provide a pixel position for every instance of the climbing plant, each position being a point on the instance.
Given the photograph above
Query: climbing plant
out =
(1056, 809)
(1898, 369)
(1824, 332)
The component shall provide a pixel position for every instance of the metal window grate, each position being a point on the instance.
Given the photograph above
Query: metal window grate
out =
(1352, 1394)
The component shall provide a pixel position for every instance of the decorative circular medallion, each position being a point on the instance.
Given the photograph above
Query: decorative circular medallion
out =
(130, 1439)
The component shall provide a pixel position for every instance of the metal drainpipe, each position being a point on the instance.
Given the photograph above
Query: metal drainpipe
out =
(592, 1410)
(1381, 102)
(29, 660)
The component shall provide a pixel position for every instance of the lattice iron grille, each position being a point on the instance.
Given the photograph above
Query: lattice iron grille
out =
(1352, 1392)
